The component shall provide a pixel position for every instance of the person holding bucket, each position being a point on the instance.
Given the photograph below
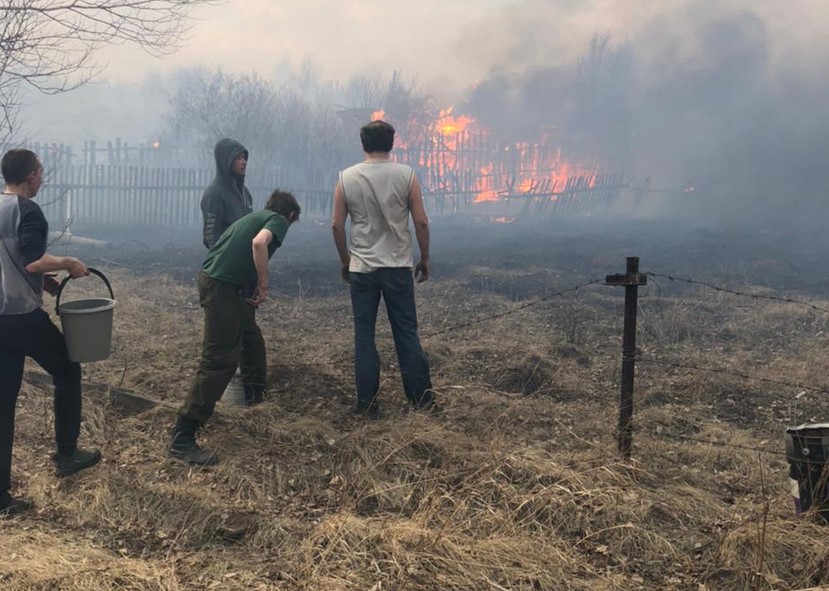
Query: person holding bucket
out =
(238, 259)
(26, 329)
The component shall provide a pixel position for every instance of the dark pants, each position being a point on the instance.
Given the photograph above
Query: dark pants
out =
(396, 286)
(34, 335)
(228, 321)
(252, 345)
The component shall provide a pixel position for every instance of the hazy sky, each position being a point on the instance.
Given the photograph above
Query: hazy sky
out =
(421, 38)
(447, 42)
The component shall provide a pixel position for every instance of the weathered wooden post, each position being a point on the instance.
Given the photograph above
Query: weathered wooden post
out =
(631, 282)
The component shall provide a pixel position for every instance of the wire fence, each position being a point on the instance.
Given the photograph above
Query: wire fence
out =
(513, 310)
(735, 292)
(732, 373)
(451, 328)
(815, 389)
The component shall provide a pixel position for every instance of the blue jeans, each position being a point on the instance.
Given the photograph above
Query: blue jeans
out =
(396, 286)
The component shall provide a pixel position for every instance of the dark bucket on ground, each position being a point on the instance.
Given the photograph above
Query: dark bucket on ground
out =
(807, 450)
(87, 324)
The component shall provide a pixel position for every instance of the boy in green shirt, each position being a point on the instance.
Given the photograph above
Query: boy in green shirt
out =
(239, 258)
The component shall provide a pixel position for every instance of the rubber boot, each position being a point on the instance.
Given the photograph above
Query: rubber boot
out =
(184, 448)
(253, 395)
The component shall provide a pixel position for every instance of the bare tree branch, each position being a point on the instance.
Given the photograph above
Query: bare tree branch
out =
(50, 44)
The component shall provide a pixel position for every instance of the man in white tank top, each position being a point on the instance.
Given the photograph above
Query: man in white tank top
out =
(378, 196)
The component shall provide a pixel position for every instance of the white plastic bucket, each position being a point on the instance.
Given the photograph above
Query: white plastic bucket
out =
(87, 324)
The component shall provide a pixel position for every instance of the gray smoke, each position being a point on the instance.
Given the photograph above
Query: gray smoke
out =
(719, 95)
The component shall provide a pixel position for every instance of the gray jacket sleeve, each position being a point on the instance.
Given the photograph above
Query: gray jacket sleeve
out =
(214, 218)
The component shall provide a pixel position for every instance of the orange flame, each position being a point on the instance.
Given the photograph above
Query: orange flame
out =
(488, 193)
(451, 126)
(455, 154)
(378, 115)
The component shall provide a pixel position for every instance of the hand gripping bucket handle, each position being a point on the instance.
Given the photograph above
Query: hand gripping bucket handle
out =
(87, 323)
(68, 277)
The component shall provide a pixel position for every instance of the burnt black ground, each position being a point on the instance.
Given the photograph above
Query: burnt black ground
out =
(571, 250)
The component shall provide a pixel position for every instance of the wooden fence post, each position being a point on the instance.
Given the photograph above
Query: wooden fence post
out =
(631, 282)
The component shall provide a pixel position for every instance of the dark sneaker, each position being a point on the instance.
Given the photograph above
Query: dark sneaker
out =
(190, 453)
(9, 507)
(80, 460)
(367, 411)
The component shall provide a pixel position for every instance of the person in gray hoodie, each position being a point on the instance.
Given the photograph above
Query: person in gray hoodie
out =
(225, 201)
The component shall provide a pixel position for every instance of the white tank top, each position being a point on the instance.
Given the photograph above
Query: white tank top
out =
(377, 197)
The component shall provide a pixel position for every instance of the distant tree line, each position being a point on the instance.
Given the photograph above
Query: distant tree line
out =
(282, 123)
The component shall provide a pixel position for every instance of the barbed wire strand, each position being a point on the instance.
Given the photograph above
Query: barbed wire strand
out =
(576, 288)
(719, 443)
(686, 366)
(649, 361)
(524, 306)
(345, 366)
(737, 292)
(821, 405)
(479, 320)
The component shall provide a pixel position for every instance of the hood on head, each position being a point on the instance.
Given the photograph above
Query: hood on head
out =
(226, 151)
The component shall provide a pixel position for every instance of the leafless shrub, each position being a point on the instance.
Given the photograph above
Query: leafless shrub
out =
(50, 45)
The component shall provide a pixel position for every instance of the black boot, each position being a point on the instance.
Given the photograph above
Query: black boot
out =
(183, 446)
(9, 506)
(253, 394)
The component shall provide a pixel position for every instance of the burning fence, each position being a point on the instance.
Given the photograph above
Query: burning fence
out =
(464, 168)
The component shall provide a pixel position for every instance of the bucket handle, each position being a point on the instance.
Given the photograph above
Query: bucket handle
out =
(68, 277)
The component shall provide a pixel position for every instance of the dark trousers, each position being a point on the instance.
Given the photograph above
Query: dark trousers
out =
(34, 335)
(228, 321)
(253, 345)
(396, 287)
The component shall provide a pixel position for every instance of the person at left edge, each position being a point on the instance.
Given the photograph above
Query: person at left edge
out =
(26, 329)
(239, 258)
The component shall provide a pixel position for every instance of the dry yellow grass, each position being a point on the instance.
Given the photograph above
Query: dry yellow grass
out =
(516, 485)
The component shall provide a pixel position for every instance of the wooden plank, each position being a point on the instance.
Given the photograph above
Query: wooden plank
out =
(126, 402)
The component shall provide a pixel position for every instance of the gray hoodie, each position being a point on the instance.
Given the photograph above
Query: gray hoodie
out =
(226, 199)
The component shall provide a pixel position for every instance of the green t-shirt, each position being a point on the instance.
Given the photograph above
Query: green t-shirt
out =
(231, 258)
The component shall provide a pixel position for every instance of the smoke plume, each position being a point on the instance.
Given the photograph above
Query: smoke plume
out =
(721, 98)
